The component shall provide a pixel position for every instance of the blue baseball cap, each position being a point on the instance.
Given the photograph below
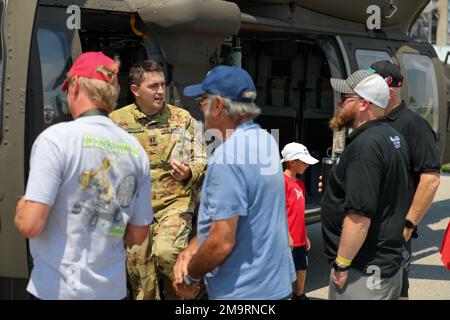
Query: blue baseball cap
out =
(229, 82)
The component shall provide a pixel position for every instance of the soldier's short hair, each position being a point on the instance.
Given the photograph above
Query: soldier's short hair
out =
(138, 70)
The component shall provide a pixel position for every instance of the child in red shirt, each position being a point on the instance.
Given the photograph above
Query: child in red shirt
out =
(297, 160)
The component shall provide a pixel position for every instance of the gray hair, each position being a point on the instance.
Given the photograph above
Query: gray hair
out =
(236, 109)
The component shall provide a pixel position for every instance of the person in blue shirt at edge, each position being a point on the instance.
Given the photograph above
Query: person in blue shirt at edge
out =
(242, 245)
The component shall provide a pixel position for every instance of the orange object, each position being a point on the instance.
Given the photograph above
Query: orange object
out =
(135, 29)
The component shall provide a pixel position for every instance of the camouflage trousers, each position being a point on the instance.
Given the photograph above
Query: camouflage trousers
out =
(167, 237)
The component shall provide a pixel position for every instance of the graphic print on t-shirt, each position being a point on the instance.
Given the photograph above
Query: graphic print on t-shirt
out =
(104, 207)
(299, 193)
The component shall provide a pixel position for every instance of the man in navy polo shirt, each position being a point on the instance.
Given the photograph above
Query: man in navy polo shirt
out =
(242, 246)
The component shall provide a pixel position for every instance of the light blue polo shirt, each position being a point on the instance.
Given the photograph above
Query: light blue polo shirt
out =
(245, 179)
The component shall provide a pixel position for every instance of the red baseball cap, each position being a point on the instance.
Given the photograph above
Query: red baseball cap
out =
(86, 66)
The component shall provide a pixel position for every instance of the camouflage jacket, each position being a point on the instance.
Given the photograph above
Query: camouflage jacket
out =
(171, 134)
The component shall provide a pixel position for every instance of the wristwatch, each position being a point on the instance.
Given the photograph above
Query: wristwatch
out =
(339, 268)
(189, 280)
(410, 225)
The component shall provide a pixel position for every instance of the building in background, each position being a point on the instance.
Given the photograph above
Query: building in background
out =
(433, 26)
(426, 26)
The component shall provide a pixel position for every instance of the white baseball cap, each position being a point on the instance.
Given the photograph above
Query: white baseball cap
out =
(365, 84)
(294, 151)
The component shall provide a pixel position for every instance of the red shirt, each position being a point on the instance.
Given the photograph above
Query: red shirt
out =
(295, 209)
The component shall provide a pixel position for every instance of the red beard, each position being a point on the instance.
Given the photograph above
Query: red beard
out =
(343, 119)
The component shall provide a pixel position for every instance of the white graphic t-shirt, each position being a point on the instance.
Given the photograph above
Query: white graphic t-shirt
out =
(96, 177)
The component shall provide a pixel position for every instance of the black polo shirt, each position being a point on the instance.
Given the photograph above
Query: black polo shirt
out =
(421, 140)
(371, 179)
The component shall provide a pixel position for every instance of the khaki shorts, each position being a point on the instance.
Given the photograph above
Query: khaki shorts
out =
(360, 286)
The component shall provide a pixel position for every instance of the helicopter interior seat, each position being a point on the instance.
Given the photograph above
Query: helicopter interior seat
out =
(278, 91)
(264, 69)
(313, 66)
(249, 63)
(295, 94)
(273, 115)
(278, 85)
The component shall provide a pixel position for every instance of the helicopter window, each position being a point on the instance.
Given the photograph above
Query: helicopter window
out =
(422, 87)
(366, 57)
(54, 52)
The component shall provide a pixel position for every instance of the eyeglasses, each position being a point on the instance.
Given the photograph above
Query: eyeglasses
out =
(155, 86)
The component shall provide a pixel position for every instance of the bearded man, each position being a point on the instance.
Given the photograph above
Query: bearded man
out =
(363, 212)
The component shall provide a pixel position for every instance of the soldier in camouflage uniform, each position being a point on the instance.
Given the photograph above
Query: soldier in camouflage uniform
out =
(176, 150)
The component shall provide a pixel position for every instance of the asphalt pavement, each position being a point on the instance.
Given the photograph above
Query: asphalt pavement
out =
(429, 280)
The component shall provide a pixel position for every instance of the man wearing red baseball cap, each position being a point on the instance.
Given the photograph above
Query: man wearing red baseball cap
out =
(101, 70)
(87, 193)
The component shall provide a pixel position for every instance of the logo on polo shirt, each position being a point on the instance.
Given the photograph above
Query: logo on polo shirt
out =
(396, 141)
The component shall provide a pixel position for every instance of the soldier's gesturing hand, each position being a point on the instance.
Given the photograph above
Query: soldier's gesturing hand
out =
(180, 172)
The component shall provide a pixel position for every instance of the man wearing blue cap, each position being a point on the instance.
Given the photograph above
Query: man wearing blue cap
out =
(242, 247)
